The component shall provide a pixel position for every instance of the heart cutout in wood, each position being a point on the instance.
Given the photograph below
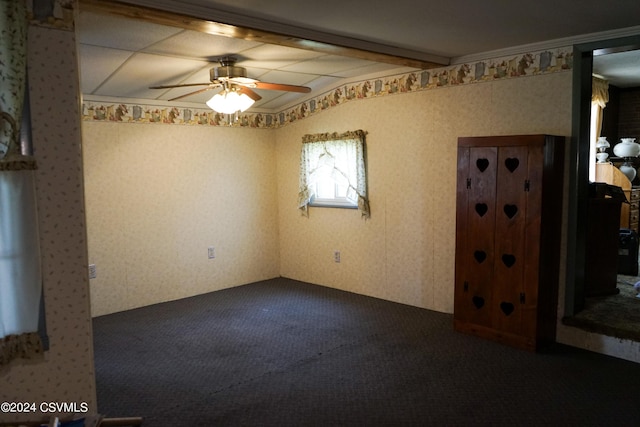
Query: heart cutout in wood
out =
(481, 208)
(478, 301)
(510, 210)
(482, 164)
(507, 308)
(512, 163)
(508, 260)
(480, 256)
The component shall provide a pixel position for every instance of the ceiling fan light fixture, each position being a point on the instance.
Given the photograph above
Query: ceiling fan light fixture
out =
(236, 95)
(229, 102)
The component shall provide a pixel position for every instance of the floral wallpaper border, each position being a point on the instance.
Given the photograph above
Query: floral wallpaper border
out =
(528, 64)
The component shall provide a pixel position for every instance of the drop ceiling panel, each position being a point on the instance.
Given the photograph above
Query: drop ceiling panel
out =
(166, 95)
(328, 64)
(192, 44)
(283, 99)
(274, 56)
(199, 76)
(323, 82)
(97, 64)
(143, 70)
(119, 33)
(277, 76)
(268, 96)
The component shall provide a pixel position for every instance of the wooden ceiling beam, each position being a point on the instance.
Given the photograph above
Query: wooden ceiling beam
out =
(187, 22)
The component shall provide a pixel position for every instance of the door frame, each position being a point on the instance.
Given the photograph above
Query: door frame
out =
(578, 167)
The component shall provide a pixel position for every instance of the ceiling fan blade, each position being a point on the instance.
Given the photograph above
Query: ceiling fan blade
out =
(247, 81)
(251, 94)
(182, 85)
(194, 92)
(278, 86)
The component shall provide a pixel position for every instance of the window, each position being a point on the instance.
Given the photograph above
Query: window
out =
(20, 272)
(333, 172)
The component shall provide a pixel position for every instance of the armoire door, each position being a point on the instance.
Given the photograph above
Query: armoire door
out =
(509, 274)
(476, 224)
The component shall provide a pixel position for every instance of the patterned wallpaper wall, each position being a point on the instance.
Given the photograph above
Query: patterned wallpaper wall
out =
(518, 66)
(405, 251)
(172, 193)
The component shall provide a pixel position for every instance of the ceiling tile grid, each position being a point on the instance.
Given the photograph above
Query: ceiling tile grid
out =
(122, 57)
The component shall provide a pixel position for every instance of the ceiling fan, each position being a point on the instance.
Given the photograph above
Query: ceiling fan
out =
(234, 83)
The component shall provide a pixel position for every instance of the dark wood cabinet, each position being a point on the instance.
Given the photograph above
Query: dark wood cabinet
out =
(508, 232)
(634, 209)
(629, 213)
(603, 238)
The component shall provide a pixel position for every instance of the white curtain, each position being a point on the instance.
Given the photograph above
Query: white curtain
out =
(599, 99)
(20, 273)
(344, 154)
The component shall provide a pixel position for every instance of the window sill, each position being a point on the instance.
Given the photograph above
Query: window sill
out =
(332, 203)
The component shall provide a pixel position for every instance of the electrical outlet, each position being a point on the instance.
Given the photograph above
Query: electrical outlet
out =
(336, 256)
(92, 271)
(211, 252)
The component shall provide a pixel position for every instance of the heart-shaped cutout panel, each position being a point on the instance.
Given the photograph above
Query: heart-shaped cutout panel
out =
(481, 208)
(508, 260)
(507, 308)
(512, 163)
(482, 164)
(480, 256)
(478, 301)
(510, 211)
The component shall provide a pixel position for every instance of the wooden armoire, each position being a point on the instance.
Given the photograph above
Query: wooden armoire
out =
(508, 232)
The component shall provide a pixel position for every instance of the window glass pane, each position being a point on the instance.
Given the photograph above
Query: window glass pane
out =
(341, 190)
(325, 189)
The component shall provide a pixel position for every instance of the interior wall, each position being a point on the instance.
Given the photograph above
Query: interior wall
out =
(158, 196)
(405, 252)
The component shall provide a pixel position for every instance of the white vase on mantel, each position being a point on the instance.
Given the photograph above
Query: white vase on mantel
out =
(628, 171)
(627, 147)
(601, 149)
